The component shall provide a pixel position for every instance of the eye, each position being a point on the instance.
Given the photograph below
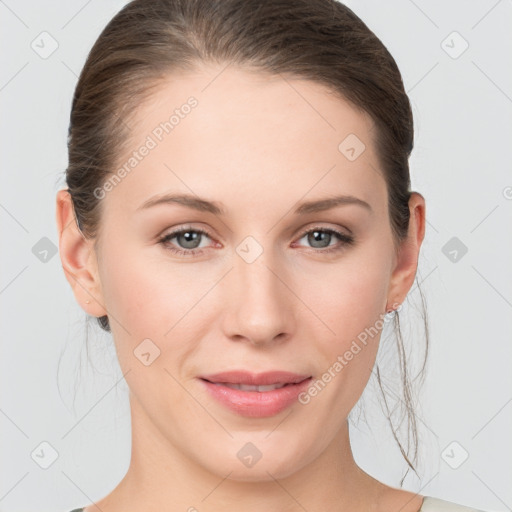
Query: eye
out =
(187, 237)
(323, 236)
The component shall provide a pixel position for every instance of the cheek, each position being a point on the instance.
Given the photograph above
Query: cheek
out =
(147, 294)
(353, 311)
(349, 298)
(132, 290)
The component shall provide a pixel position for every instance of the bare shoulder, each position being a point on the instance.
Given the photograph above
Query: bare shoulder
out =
(392, 498)
(407, 501)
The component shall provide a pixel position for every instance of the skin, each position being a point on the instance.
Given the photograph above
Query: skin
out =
(259, 145)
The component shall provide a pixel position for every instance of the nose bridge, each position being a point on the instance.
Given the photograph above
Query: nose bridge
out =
(258, 280)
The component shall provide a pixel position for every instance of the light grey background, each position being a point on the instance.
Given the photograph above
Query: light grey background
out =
(462, 106)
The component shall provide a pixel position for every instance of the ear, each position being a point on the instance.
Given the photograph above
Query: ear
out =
(78, 258)
(407, 258)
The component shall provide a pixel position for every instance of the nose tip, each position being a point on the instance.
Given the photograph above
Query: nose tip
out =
(260, 310)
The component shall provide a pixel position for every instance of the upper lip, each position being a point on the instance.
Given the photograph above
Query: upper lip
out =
(255, 379)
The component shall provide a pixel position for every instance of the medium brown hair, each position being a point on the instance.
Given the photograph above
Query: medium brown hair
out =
(318, 40)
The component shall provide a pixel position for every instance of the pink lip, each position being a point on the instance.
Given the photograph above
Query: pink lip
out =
(256, 404)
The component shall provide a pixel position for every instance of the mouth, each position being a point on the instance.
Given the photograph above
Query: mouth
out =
(256, 400)
(246, 378)
(248, 387)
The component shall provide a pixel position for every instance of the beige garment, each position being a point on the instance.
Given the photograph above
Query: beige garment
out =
(437, 505)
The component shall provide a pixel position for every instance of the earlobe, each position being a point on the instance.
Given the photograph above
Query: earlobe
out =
(408, 254)
(78, 258)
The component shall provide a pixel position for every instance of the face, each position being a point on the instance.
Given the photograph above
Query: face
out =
(192, 291)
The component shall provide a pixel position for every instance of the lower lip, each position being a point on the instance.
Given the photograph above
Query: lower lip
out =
(255, 404)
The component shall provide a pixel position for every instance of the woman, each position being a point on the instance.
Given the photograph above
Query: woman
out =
(239, 216)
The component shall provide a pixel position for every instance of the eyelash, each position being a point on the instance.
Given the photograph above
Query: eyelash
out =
(345, 240)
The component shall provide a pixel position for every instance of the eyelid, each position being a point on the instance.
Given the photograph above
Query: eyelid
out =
(344, 238)
(318, 226)
(183, 229)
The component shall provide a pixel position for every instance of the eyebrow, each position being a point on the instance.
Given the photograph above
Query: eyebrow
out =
(186, 200)
(204, 205)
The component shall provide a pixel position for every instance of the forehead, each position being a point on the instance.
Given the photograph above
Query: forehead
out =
(248, 136)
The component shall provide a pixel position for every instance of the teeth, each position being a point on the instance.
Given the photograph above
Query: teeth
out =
(245, 387)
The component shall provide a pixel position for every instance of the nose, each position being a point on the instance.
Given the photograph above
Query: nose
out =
(260, 305)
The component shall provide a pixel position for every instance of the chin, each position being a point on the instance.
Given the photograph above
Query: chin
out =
(247, 463)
